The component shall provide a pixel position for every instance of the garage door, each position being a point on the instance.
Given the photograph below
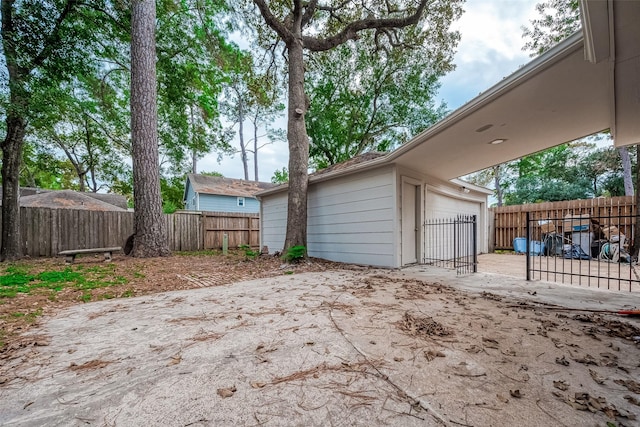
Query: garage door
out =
(441, 206)
(445, 240)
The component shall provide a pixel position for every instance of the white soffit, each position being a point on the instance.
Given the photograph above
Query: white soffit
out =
(556, 98)
(579, 87)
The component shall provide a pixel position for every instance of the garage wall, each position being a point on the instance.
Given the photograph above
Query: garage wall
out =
(351, 219)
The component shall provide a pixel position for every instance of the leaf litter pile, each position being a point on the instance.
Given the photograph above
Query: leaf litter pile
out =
(422, 327)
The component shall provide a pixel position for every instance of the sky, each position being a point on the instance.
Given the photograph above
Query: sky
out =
(489, 50)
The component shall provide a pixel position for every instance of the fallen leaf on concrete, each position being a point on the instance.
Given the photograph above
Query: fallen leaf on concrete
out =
(432, 354)
(490, 342)
(586, 360)
(474, 349)
(515, 393)
(631, 385)
(596, 377)
(92, 364)
(226, 392)
(462, 370)
(175, 360)
(632, 400)
(501, 398)
(561, 385)
(256, 384)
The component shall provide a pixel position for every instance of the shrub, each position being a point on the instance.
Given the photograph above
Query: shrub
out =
(295, 253)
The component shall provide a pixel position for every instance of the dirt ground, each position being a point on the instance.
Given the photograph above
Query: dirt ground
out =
(324, 344)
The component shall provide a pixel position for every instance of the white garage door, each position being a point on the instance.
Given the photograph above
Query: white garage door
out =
(441, 206)
(444, 241)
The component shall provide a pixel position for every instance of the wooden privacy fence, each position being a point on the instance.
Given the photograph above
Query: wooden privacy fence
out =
(510, 221)
(45, 232)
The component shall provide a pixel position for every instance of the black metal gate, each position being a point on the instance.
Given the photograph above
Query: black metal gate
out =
(581, 249)
(451, 243)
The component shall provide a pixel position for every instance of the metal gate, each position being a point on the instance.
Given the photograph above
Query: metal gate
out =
(581, 249)
(451, 243)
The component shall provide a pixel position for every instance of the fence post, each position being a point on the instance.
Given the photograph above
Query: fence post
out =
(225, 243)
(527, 242)
(456, 224)
(475, 243)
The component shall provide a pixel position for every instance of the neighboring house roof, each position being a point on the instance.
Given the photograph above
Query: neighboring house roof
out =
(67, 199)
(113, 199)
(117, 200)
(575, 89)
(347, 164)
(206, 184)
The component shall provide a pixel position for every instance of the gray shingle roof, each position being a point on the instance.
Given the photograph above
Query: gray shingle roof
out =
(206, 184)
(67, 199)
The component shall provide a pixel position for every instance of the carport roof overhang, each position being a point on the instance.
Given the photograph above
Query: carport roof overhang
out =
(573, 90)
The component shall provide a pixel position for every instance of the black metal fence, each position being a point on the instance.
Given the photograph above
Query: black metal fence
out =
(451, 243)
(581, 249)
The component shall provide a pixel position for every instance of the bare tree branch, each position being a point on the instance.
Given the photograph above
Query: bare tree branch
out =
(271, 20)
(310, 9)
(54, 37)
(350, 32)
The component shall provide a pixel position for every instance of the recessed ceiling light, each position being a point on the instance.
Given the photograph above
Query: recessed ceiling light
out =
(497, 141)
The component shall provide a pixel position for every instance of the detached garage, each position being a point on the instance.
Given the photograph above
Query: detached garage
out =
(371, 211)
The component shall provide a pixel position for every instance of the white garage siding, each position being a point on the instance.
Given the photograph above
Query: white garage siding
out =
(273, 218)
(351, 219)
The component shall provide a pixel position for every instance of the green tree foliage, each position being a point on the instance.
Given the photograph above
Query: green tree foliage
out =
(44, 43)
(194, 60)
(280, 176)
(570, 171)
(365, 96)
(557, 20)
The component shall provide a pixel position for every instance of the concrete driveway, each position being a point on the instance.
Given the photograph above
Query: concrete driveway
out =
(418, 346)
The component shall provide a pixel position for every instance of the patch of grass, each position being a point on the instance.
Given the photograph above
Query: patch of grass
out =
(204, 252)
(19, 280)
(248, 252)
(29, 317)
(85, 297)
(127, 294)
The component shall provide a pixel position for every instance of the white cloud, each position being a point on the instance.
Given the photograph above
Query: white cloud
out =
(490, 49)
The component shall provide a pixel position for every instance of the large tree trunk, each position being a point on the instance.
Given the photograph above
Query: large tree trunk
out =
(298, 150)
(11, 248)
(149, 227)
(255, 145)
(243, 148)
(498, 185)
(11, 155)
(626, 171)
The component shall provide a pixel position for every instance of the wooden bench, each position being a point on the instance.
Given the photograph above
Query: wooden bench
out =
(70, 255)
